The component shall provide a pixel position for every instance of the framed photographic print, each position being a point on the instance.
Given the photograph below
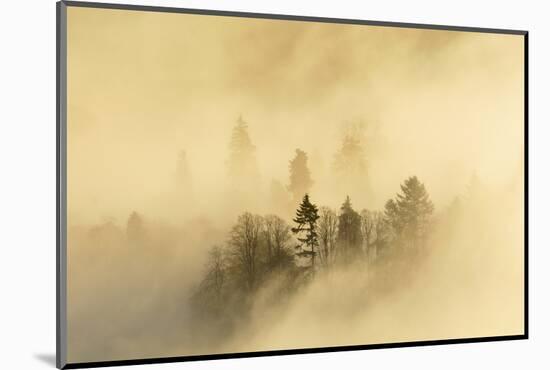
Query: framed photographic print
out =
(235, 184)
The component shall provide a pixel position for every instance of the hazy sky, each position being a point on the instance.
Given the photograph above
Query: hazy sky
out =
(144, 85)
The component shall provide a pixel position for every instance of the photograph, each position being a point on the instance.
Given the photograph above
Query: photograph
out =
(241, 184)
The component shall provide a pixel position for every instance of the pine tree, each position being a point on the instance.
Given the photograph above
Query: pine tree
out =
(410, 212)
(135, 230)
(306, 218)
(300, 176)
(242, 165)
(349, 230)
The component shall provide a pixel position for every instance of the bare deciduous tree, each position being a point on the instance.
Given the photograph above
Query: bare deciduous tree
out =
(277, 236)
(215, 277)
(328, 231)
(372, 224)
(244, 244)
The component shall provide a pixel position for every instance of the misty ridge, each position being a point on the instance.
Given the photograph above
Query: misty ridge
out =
(288, 269)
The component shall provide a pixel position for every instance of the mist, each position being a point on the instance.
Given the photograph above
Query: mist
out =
(154, 104)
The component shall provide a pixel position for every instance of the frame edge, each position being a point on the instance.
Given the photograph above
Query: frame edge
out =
(288, 17)
(61, 172)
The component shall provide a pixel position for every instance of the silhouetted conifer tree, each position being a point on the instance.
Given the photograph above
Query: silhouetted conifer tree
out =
(409, 214)
(300, 176)
(349, 231)
(306, 231)
(242, 164)
(135, 230)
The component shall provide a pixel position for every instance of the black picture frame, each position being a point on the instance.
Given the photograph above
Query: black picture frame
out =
(61, 186)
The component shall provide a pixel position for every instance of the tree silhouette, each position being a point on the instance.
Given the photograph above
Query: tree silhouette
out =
(328, 231)
(244, 245)
(349, 231)
(410, 212)
(276, 236)
(242, 164)
(306, 219)
(300, 176)
(372, 230)
(211, 289)
(135, 230)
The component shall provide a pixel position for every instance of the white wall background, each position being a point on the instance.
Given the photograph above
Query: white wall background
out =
(27, 188)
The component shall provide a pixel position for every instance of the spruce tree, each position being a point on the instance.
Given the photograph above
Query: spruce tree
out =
(306, 231)
(135, 230)
(349, 230)
(300, 176)
(242, 164)
(409, 214)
